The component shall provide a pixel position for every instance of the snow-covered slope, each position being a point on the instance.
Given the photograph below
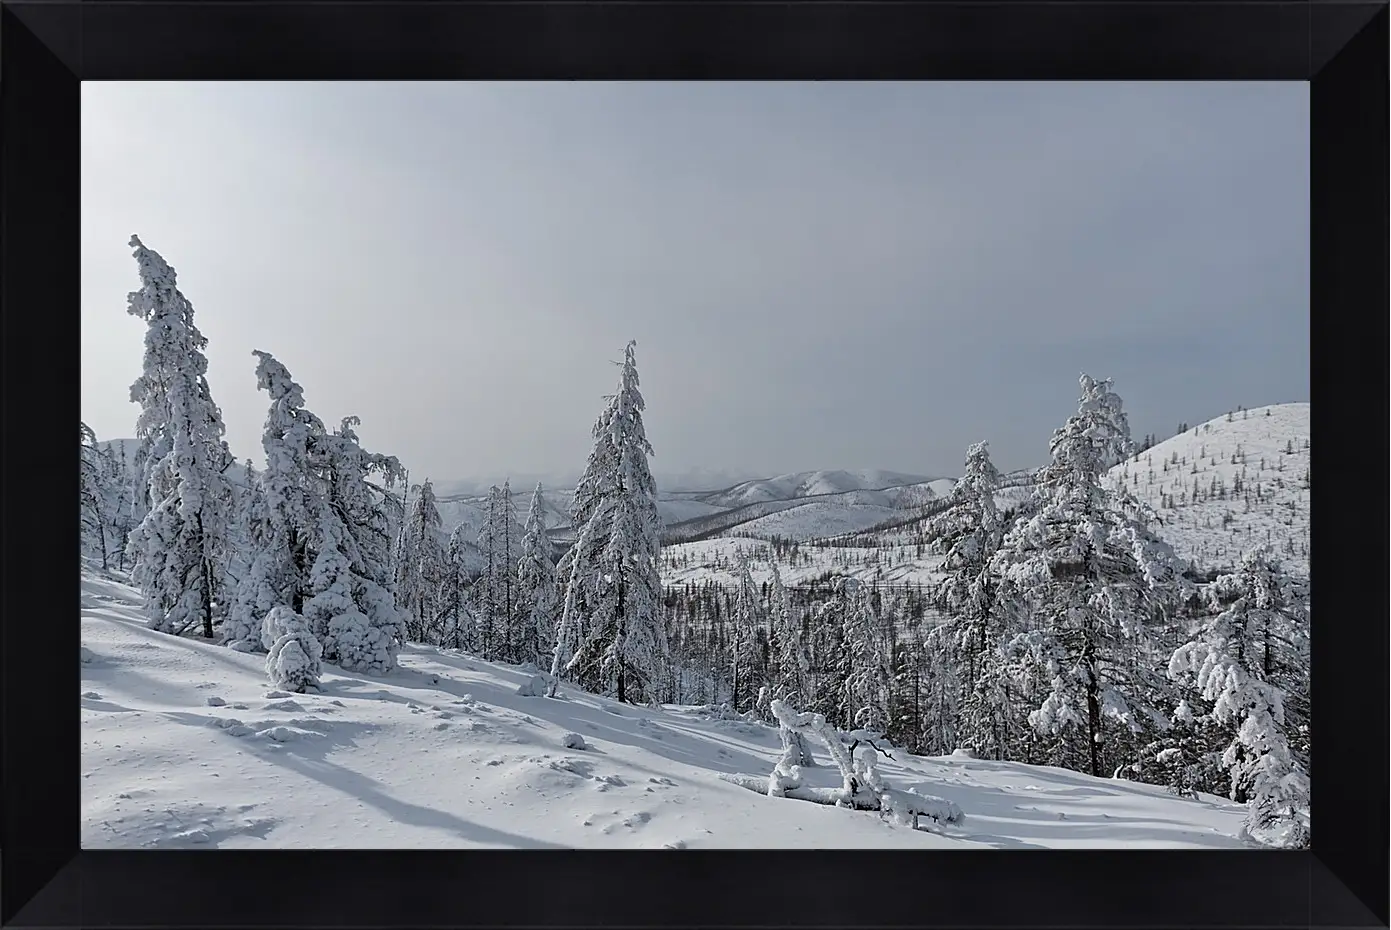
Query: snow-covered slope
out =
(184, 744)
(817, 519)
(810, 484)
(1267, 449)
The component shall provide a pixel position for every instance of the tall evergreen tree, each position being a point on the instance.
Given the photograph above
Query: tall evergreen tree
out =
(1247, 661)
(968, 594)
(497, 593)
(420, 566)
(180, 547)
(458, 628)
(616, 569)
(1089, 575)
(867, 666)
(353, 608)
(92, 488)
(791, 664)
(536, 586)
(286, 505)
(745, 621)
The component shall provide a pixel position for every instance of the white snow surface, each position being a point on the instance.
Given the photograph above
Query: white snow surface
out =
(185, 744)
(1195, 530)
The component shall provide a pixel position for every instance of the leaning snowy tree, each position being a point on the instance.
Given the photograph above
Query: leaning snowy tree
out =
(180, 547)
(536, 585)
(352, 610)
(613, 565)
(1255, 639)
(1090, 574)
(287, 500)
(420, 564)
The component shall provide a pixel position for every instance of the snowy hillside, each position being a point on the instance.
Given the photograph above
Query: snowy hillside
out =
(817, 519)
(185, 745)
(810, 484)
(1227, 485)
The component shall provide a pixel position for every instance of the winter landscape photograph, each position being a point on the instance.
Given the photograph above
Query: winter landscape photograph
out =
(695, 466)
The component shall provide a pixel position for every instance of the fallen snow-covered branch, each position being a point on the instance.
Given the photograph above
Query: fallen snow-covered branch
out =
(865, 799)
(862, 787)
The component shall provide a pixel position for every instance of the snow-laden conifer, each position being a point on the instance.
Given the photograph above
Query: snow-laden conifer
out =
(623, 644)
(1256, 628)
(92, 494)
(286, 503)
(791, 664)
(353, 607)
(537, 587)
(746, 619)
(497, 588)
(968, 594)
(866, 663)
(180, 547)
(1088, 573)
(458, 628)
(420, 565)
(293, 652)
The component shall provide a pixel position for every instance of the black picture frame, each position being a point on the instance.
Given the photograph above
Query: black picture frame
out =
(46, 49)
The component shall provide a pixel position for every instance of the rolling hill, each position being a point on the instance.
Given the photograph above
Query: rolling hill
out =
(1237, 481)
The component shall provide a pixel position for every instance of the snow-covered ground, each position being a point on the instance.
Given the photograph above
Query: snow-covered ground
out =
(184, 744)
(1267, 447)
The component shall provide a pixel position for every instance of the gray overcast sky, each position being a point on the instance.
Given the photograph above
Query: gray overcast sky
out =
(818, 275)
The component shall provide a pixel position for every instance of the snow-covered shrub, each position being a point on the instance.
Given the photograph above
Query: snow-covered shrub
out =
(293, 662)
(535, 686)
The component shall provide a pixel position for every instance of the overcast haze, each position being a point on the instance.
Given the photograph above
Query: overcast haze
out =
(818, 275)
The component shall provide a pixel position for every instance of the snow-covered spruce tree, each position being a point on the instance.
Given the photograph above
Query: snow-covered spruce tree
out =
(536, 587)
(293, 660)
(123, 511)
(745, 621)
(92, 494)
(968, 594)
(286, 504)
(1089, 574)
(353, 609)
(589, 514)
(576, 592)
(791, 664)
(180, 547)
(868, 666)
(1256, 634)
(456, 625)
(420, 564)
(245, 493)
(497, 596)
(623, 646)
